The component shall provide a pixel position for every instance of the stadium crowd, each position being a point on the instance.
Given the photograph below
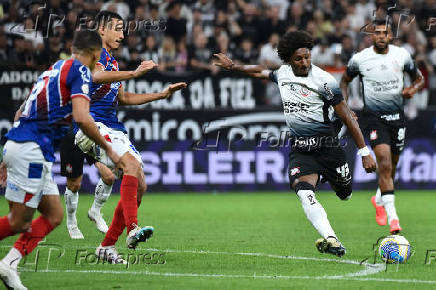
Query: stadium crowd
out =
(183, 35)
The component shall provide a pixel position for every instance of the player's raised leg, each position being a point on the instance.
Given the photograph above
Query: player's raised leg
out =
(386, 184)
(102, 193)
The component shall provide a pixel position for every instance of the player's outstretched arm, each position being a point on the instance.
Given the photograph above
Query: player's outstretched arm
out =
(344, 113)
(100, 76)
(126, 98)
(257, 71)
(86, 123)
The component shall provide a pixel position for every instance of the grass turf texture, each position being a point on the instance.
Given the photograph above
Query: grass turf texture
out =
(268, 223)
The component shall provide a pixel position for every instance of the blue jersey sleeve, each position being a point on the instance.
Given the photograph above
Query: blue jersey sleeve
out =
(79, 81)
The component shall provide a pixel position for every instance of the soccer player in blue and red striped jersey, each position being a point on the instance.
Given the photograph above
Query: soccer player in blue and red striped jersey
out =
(60, 94)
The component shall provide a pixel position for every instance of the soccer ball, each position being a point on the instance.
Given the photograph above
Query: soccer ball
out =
(394, 249)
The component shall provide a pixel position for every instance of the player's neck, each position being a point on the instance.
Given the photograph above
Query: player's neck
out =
(105, 46)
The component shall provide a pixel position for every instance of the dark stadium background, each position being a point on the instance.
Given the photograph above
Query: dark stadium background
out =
(182, 36)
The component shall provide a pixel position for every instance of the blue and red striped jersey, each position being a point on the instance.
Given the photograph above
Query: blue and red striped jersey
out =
(49, 107)
(104, 97)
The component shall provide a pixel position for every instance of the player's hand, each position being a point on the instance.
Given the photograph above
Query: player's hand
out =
(168, 91)
(409, 92)
(3, 174)
(223, 61)
(353, 114)
(144, 67)
(369, 164)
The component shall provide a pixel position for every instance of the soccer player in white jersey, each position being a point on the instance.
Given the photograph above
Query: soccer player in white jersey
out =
(381, 70)
(311, 97)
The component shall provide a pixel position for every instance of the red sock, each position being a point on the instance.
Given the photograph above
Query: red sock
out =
(128, 192)
(28, 241)
(5, 228)
(116, 228)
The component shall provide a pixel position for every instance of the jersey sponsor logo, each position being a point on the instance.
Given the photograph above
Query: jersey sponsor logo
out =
(293, 107)
(391, 117)
(373, 135)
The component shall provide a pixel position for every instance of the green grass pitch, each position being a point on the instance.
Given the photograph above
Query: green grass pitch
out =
(238, 241)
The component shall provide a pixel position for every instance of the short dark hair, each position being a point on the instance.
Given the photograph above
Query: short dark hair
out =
(106, 16)
(86, 40)
(382, 21)
(292, 41)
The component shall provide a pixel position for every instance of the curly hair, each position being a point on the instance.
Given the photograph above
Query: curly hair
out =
(292, 41)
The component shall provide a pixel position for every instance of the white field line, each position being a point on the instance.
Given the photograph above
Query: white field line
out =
(169, 274)
(356, 276)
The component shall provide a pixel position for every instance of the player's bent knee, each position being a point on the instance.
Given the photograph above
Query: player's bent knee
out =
(20, 226)
(108, 179)
(74, 184)
(303, 185)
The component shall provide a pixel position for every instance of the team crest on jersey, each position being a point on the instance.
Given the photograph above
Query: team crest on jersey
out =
(304, 92)
(373, 135)
(295, 170)
(69, 168)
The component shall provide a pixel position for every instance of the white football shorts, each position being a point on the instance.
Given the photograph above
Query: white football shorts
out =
(118, 140)
(29, 174)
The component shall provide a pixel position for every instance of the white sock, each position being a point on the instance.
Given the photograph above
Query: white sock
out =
(71, 201)
(102, 193)
(315, 213)
(13, 258)
(389, 204)
(378, 197)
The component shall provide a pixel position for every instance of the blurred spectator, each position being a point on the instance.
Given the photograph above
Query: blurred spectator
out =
(167, 54)
(151, 51)
(182, 56)
(250, 24)
(176, 25)
(194, 29)
(223, 45)
(3, 50)
(206, 9)
(268, 53)
(246, 53)
(322, 26)
(432, 53)
(322, 55)
(347, 48)
(117, 6)
(273, 23)
(200, 55)
(280, 6)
